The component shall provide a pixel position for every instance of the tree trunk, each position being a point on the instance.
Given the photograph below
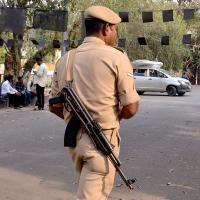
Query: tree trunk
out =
(9, 63)
(13, 58)
(17, 56)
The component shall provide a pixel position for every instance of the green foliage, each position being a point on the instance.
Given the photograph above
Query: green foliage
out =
(172, 55)
(2, 55)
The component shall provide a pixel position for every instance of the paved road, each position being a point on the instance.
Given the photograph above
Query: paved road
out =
(160, 146)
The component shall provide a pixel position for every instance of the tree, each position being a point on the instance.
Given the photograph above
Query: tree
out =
(171, 55)
(192, 63)
(13, 56)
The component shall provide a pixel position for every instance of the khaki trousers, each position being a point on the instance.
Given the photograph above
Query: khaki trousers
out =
(96, 173)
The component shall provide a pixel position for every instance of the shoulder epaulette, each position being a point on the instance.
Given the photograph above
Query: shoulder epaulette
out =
(120, 49)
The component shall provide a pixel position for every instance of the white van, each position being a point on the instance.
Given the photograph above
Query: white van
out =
(150, 77)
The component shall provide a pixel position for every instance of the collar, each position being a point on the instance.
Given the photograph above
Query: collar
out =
(7, 82)
(93, 39)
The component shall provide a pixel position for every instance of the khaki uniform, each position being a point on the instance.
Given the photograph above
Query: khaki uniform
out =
(103, 80)
(102, 77)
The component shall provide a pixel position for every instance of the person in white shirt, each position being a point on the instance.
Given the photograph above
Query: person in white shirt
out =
(41, 81)
(12, 94)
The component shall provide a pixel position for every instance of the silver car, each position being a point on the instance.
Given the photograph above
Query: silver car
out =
(150, 77)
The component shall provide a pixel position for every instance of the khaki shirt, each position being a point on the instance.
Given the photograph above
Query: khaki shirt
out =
(102, 78)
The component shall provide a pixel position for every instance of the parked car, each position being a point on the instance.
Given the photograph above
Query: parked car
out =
(150, 77)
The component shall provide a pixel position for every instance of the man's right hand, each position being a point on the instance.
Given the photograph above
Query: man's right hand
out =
(57, 111)
(129, 111)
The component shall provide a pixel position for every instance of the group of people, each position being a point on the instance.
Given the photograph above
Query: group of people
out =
(21, 93)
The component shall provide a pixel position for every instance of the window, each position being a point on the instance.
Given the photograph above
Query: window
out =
(153, 73)
(160, 74)
(140, 72)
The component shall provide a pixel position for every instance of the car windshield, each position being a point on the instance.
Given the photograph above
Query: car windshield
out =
(167, 72)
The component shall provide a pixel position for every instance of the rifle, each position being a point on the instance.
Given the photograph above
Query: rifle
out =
(93, 129)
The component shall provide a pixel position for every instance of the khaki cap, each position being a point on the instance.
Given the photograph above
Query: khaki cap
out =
(102, 13)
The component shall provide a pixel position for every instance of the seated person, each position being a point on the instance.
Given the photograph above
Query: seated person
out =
(20, 87)
(10, 92)
(184, 75)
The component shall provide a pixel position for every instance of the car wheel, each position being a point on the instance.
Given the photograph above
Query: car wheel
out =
(140, 92)
(181, 93)
(171, 90)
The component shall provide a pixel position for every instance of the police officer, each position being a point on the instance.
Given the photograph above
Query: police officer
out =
(103, 79)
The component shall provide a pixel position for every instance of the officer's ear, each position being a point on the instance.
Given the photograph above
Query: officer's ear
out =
(106, 29)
